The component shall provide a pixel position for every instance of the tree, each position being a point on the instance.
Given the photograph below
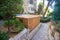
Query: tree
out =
(56, 12)
(40, 6)
(43, 7)
(49, 3)
(56, 15)
(9, 8)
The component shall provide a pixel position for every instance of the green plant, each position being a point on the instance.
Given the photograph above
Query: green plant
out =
(9, 22)
(56, 14)
(40, 8)
(16, 25)
(3, 35)
(1, 16)
(45, 19)
(8, 8)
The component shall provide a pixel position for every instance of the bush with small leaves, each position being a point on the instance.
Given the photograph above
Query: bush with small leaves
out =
(3, 35)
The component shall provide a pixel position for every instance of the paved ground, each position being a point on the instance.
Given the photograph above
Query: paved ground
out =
(1, 23)
(42, 34)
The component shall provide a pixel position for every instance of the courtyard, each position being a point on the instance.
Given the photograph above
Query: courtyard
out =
(29, 19)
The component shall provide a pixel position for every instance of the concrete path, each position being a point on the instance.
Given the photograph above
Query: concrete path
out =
(42, 34)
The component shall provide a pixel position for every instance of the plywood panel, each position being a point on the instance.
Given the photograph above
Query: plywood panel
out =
(30, 22)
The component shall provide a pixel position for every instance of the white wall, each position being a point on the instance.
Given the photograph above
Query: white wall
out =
(28, 6)
(31, 8)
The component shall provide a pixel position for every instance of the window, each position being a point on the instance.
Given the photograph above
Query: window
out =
(31, 1)
(32, 9)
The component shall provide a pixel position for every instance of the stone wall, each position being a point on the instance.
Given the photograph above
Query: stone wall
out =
(23, 35)
(53, 34)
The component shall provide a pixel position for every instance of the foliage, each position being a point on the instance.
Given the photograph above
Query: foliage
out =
(9, 8)
(1, 17)
(8, 11)
(56, 12)
(50, 2)
(56, 15)
(40, 8)
(17, 26)
(48, 13)
(3, 35)
(45, 19)
(8, 22)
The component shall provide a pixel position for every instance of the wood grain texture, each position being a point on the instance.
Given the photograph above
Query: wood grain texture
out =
(30, 21)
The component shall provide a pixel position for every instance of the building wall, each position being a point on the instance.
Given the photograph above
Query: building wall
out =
(25, 5)
(29, 7)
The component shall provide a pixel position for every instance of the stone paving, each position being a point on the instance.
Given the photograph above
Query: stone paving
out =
(42, 34)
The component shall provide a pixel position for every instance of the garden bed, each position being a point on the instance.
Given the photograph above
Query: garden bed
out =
(12, 32)
(22, 34)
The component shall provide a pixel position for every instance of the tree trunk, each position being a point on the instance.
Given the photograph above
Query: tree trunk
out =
(46, 9)
(43, 7)
(49, 3)
(8, 29)
(43, 3)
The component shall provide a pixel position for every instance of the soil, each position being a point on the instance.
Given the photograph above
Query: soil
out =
(12, 34)
(5, 29)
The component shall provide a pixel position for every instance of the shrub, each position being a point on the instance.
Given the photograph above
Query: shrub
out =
(1, 16)
(45, 19)
(56, 12)
(16, 25)
(10, 7)
(56, 15)
(3, 35)
(40, 8)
